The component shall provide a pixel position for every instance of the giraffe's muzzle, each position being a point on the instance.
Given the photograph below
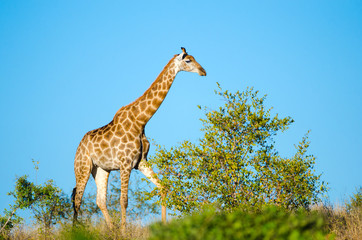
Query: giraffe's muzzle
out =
(202, 72)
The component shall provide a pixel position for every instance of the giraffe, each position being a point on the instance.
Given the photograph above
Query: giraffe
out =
(122, 144)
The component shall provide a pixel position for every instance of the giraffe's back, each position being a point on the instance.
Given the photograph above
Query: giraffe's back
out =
(113, 146)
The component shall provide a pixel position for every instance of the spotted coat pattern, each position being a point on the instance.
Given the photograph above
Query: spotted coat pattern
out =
(122, 144)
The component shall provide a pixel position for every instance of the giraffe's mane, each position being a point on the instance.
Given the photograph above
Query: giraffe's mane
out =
(149, 89)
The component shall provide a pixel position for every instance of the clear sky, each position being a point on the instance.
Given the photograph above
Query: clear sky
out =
(66, 67)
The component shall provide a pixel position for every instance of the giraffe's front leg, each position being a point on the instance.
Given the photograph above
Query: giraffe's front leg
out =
(149, 173)
(145, 146)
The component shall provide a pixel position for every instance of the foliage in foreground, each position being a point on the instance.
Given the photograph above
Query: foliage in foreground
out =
(340, 223)
(270, 223)
(236, 163)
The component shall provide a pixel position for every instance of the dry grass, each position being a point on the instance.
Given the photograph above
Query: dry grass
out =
(89, 231)
(101, 231)
(342, 223)
(22, 232)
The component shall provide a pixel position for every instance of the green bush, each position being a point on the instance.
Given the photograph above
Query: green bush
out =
(270, 223)
(236, 161)
(355, 202)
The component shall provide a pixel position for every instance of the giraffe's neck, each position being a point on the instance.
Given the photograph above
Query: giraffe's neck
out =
(146, 106)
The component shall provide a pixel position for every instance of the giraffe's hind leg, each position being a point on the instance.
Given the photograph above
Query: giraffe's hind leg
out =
(82, 170)
(101, 178)
(125, 175)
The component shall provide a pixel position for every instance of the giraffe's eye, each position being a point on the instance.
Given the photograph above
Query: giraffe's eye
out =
(187, 60)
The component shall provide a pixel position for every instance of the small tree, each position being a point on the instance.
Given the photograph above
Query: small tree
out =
(235, 163)
(47, 202)
(51, 205)
(24, 198)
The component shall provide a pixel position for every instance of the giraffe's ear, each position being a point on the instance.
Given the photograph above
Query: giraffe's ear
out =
(183, 54)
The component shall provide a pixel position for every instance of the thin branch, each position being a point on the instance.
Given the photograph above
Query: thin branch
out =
(7, 221)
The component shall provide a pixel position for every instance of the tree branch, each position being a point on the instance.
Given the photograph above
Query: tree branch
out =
(7, 221)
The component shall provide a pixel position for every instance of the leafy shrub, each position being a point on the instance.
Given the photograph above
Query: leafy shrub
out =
(48, 203)
(355, 202)
(270, 223)
(236, 162)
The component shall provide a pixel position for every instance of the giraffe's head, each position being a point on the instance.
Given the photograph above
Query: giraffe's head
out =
(188, 63)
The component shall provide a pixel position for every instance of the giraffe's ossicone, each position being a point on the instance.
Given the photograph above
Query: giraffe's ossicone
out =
(122, 144)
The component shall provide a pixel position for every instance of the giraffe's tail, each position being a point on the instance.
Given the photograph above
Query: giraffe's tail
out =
(73, 195)
(73, 202)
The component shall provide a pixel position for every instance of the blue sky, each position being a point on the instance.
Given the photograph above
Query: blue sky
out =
(66, 67)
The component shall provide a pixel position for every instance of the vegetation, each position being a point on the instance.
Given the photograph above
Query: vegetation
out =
(235, 163)
(86, 231)
(355, 202)
(269, 223)
(324, 220)
(99, 230)
(47, 202)
(345, 222)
